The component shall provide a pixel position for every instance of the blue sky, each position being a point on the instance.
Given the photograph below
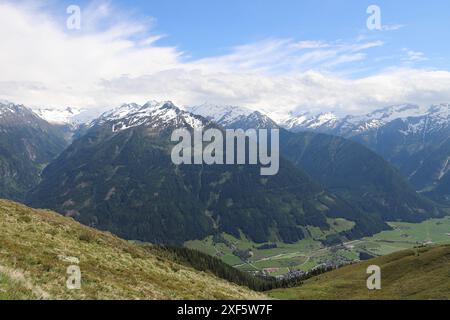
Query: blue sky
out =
(277, 56)
(202, 28)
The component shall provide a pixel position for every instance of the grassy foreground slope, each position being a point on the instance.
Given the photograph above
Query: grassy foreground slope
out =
(411, 274)
(37, 246)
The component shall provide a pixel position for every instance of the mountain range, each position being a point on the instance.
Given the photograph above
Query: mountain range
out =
(412, 138)
(116, 174)
(119, 177)
(341, 166)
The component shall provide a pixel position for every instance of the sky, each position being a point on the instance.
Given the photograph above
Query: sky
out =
(281, 57)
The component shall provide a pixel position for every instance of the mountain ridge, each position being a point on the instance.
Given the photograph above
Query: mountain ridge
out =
(414, 139)
(138, 135)
(234, 117)
(136, 177)
(207, 201)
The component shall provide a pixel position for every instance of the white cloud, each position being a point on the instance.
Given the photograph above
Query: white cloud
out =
(285, 55)
(105, 64)
(392, 27)
(280, 95)
(414, 56)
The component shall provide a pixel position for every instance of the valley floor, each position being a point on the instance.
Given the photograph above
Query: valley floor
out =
(310, 253)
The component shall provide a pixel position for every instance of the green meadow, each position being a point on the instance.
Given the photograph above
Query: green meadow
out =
(279, 258)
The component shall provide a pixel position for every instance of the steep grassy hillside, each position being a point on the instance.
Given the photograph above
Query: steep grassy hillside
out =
(36, 247)
(412, 274)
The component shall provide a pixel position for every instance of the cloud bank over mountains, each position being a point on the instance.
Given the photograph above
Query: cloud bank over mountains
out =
(116, 58)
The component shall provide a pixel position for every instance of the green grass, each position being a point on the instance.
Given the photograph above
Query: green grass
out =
(280, 263)
(336, 226)
(308, 253)
(13, 289)
(302, 255)
(35, 244)
(410, 274)
(407, 235)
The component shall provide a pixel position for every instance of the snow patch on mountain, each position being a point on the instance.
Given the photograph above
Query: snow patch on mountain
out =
(350, 125)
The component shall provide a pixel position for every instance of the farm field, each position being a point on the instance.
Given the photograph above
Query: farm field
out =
(280, 258)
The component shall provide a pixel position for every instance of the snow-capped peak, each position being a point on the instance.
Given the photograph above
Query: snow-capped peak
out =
(7, 107)
(351, 125)
(417, 118)
(157, 104)
(441, 110)
(233, 117)
(153, 114)
(330, 123)
(327, 118)
(436, 118)
(395, 112)
(295, 121)
(120, 112)
(12, 114)
(63, 115)
(222, 115)
(307, 121)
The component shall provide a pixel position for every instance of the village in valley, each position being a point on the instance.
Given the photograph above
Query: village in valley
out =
(310, 256)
